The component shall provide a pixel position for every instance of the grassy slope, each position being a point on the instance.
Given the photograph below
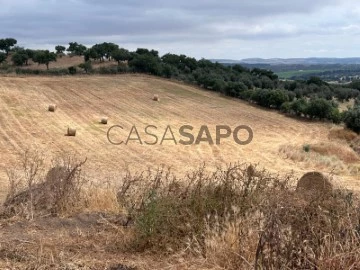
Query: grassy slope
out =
(127, 100)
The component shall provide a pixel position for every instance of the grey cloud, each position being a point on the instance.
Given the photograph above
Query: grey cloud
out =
(161, 21)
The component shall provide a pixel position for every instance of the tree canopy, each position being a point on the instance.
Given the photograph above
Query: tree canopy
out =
(44, 57)
(6, 44)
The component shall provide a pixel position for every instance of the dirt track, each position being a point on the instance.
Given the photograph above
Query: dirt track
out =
(127, 100)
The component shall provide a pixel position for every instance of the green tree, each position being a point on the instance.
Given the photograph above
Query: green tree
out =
(240, 68)
(233, 89)
(104, 50)
(109, 48)
(320, 108)
(266, 82)
(357, 101)
(6, 44)
(352, 119)
(285, 107)
(169, 71)
(76, 49)
(147, 63)
(44, 57)
(142, 51)
(97, 50)
(299, 106)
(316, 80)
(91, 54)
(30, 53)
(87, 66)
(60, 49)
(120, 55)
(2, 57)
(219, 85)
(277, 98)
(20, 58)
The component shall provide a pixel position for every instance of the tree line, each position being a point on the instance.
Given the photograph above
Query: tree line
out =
(312, 98)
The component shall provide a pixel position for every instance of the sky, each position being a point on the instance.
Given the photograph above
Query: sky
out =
(212, 29)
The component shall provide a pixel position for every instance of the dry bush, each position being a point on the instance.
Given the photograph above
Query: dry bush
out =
(240, 217)
(288, 231)
(319, 161)
(101, 198)
(355, 144)
(34, 193)
(236, 217)
(343, 152)
(322, 233)
(342, 134)
(168, 211)
(347, 135)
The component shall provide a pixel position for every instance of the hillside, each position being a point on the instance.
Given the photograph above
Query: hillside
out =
(293, 61)
(127, 100)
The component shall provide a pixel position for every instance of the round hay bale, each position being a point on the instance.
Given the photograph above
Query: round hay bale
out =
(52, 108)
(156, 98)
(314, 182)
(104, 120)
(71, 132)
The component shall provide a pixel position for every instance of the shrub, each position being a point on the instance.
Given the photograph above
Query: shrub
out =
(277, 98)
(306, 148)
(87, 66)
(123, 68)
(320, 108)
(357, 101)
(107, 70)
(299, 106)
(171, 211)
(336, 116)
(246, 95)
(72, 70)
(352, 119)
(285, 107)
(31, 194)
(241, 217)
(2, 57)
(29, 71)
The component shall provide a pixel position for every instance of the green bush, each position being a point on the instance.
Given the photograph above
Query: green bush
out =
(352, 119)
(72, 70)
(285, 107)
(306, 148)
(277, 98)
(299, 106)
(321, 108)
(246, 95)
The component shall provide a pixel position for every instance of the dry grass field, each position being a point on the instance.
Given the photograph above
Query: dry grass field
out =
(126, 100)
(63, 62)
(95, 235)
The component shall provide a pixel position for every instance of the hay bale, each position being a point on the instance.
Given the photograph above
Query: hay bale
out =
(314, 182)
(52, 108)
(104, 120)
(71, 132)
(156, 98)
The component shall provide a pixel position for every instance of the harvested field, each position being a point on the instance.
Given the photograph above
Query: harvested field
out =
(82, 101)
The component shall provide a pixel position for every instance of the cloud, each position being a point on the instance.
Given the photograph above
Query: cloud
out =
(167, 24)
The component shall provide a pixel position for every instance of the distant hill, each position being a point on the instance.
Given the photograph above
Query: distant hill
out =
(292, 61)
